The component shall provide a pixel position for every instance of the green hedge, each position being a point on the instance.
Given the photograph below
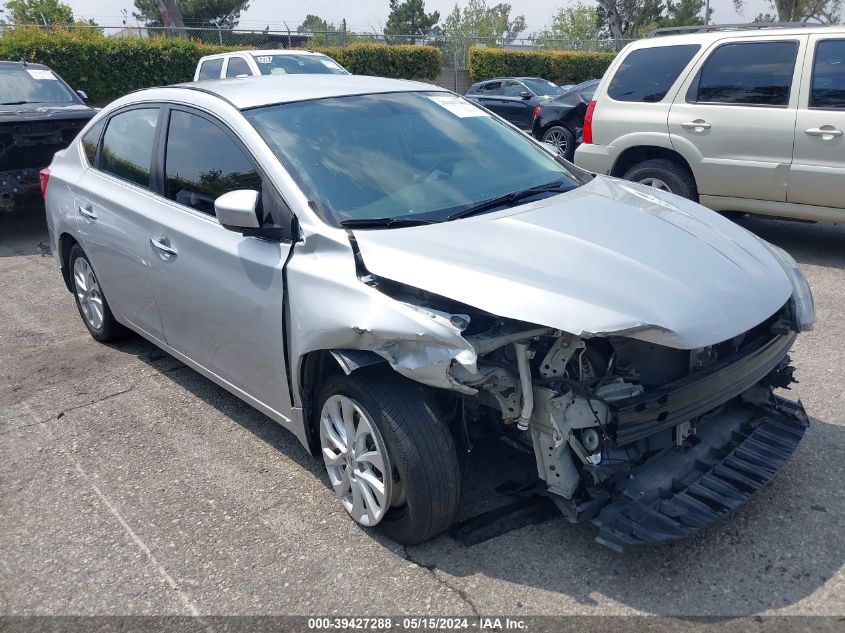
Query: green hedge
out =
(383, 60)
(558, 66)
(107, 67)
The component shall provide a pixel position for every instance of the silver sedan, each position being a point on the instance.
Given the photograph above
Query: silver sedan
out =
(388, 271)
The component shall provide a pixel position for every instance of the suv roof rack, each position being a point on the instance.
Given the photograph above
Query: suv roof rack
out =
(702, 28)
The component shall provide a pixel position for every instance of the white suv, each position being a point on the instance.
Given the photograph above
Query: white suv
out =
(269, 62)
(740, 120)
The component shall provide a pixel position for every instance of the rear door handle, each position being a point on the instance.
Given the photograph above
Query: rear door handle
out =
(164, 248)
(88, 211)
(827, 132)
(698, 125)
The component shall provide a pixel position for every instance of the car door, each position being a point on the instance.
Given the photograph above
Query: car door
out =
(517, 103)
(490, 96)
(220, 294)
(735, 117)
(818, 162)
(112, 202)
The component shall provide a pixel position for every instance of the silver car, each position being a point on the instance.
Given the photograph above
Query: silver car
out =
(388, 270)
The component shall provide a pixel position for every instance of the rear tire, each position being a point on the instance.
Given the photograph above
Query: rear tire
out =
(666, 175)
(90, 300)
(425, 482)
(564, 140)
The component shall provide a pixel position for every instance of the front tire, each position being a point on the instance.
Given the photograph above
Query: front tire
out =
(90, 300)
(665, 175)
(390, 458)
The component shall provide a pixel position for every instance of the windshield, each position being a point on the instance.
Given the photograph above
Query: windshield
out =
(542, 87)
(20, 85)
(298, 65)
(420, 155)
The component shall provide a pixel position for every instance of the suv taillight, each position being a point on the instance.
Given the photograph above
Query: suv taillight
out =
(44, 176)
(537, 111)
(588, 123)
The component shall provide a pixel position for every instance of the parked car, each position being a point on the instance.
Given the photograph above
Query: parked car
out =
(39, 114)
(513, 98)
(560, 121)
(387, 270)
(740, 120)
(269, 62)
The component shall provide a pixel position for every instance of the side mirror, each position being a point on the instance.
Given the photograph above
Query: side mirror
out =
(237, 210)
(82, 95)
(525, 94)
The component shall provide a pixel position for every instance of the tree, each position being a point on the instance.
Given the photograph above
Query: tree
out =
(477, 20)
(222, 13)
(578, 22)
(313, 24)
(627, 19)
(684, 13)
(409, 18)
(824, 11)
(43, 12)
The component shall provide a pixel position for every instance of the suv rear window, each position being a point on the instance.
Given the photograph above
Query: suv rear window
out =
(647, 74)
(746, 73)
(828, 89)
(211, 68)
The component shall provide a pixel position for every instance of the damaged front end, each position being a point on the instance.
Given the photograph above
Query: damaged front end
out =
(650, 442)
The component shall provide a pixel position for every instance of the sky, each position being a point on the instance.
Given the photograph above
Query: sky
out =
(365, 15)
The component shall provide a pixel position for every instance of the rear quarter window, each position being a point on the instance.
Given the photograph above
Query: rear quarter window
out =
(210, 69)
(646, 74)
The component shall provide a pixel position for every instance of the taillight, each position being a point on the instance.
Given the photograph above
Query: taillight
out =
(44, 176)
(588, 123)
(537, 111)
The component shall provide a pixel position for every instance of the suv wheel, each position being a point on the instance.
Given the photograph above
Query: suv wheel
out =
(90, 300)
(665, 175)
(390, 458)
(561, 138)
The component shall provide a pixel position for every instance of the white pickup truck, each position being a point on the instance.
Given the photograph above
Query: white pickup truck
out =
(267, 62)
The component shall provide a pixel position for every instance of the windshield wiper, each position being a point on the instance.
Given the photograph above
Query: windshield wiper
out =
(382, 223)
(16, 102)
(511, 199)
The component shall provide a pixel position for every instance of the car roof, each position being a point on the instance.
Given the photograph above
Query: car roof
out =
(21, 64)
(269, 51)
(252, 92)
(708, 37)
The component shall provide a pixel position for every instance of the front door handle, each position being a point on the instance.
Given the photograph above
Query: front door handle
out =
(88, 212)
(699, 125)
(164, 248)
(827, 132)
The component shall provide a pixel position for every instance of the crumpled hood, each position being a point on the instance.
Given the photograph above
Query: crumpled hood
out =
(608, 257)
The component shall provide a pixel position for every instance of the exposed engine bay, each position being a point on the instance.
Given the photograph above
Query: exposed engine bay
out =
(650, 442)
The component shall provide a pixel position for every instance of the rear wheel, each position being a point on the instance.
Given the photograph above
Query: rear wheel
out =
(665, 175)
(390, 458)
(90, 300)
(561, 138)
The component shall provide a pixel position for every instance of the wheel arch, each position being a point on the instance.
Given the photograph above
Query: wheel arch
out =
(639, 153)
(315, 368)
(66, 242)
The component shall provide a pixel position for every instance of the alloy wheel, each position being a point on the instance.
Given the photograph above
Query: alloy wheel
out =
(657, 183)
(88, 293)
(556, 138)
(356, 460)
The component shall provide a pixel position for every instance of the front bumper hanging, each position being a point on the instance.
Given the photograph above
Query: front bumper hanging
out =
(681, 490)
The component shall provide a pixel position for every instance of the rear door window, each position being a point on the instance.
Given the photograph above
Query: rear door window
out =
(210, 69)
(493, 88)
(828, 86)
(90, 140)
(238, 66)
(647, 74)
(127, 149)
(202, 162)
(746, 73)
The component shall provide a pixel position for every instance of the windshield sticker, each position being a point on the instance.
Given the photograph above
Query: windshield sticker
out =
(38, 73)
(457, 106)
(264, 59)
